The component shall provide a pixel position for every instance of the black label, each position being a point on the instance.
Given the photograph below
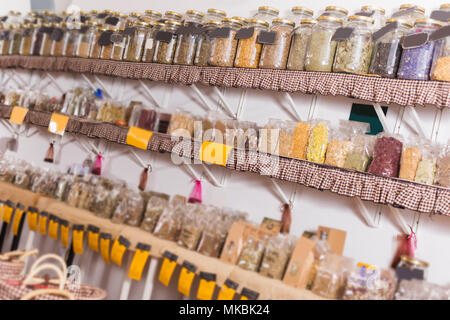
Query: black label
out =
(4, 18)
(32, 209)
(143, 246)
(231, 284)
(83, 19)
(162, 20)
(191, 28)
(83, 29)
(403, 12)
(129, 31)
(365, 13)
(415, 40)
(387, 28)
(245, 33)
(20, 206)
(106, 236)
(49, 30)
(105, 38)
(77, 227)
(267, 37)
(342, 34)
(164, 36)
(116, 38)
(112, 21)
(189, 266)
(102, 15)
(42, 214)
(57, 34)
(56, 19)
(440, 15)
(169, 255)
(405, 273)
(63, 222)
(27, 32)
(440, 33)
(208, 276)
(124, 241)
(92, 228)
(250, 294)
(220, 32)
(5, 35)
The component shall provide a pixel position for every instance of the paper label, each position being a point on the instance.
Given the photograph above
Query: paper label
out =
(93, 241)
(43, 225)
(206, 289)
(138, 137)
(185, 281)
(104, 249)
(149, 44)
(215, 153)
(16, 222)
(53, 229)
(58, 123)
(167, 268)
(137, 265)
(65, 235)
(32, 220)
(117, 251)
(18, 114)
(7, 214)
(226, 293)
(78, 241)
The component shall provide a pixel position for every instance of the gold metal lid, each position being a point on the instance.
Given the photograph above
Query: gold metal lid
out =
(375, 8)
(65, 12)
(217, 11)
(232, 20)
(241, 19)
(120, 29)
(173, 23)
(283, 21)
(334, 8)
(91, 23)
(64, 24)
(308, 21)
(107, 11)
(329, 18)
(142, 23)
(213, 22)
(158, 24)
(195, 13)
(302, 9)
(415, 261)
(258, 21)
(400, 21)
(445, 5)
(154, 12)
(53, 24)
(115, 13)
(410, 5)
(174, 14)
(361, 18)
(134, 14)
(433, 22)
(269, 9)
(94, 11)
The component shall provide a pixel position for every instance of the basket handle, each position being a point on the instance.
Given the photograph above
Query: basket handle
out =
(46, 266)
(32, 294)
(48, 257)
(20, 254)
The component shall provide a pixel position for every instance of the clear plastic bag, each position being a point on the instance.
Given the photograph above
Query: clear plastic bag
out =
(426, 168)
(168, 226)
(443, 168)
(214, 233)
(269, 136)
(420, 290)
(301, 138)
(286, 140)
(193, 223)
(318, 141)
(276, 256)
(361, 153)
(181, 124)
(411, 155)
(251, 254)
(386, 156)
(154, 209)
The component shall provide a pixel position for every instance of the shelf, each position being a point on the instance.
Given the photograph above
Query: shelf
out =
(267, 288)
(368, 88)
(390, 191)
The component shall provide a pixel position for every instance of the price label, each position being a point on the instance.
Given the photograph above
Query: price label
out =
(120, 245)
(32, 218)
(43, 217)
(17, 219)
(105, 240)
(8, 210)
(215, 153)
(206, 286)
(93, 236)
(58, 123)
(139, 260)
(138, 137)
(77, 239)
(64, 232)
(18, 114)
(187, 276)
(53, 227)
(167, 268)
(228, 290)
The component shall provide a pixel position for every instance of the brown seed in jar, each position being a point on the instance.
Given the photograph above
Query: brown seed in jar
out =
(223, 51)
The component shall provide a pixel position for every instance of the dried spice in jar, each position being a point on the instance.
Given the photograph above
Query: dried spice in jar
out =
(86, 39)
(16, 37)
(135, 41)
(70, 39)
(318, 142)
(409, 162)
(188, 35)
(119, 43)
(57, 37)
(354, 54)
(224, 43)
(28, 37)
(204, 44)
(386, 157)
(96, 47)
(370, 284)
(249, 49)
(251, 254)
(275, 55)
(46, 46)
(301, 138)
(149, 45)
(166, 40)
(321, 49)
(5, 40)
(299, 45)
(440, 69)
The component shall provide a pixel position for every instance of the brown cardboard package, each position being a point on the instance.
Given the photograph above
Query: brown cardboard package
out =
(336, 239)
(302, 259)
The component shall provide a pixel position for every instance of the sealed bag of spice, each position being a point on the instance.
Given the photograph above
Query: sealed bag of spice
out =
(168, 226)
(286, 139)
(269, 136)
(361, 153)
(426, 168)
(276, 256)
(443, 168)
(155, 208)
(181, 124)
(192, 226)
(411, 156)
(386, 156)
(251, 254)
(301, 138)
(318, 141)
(214, 233)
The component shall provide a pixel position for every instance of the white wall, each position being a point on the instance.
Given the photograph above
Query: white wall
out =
(245, 191)
(16, 5)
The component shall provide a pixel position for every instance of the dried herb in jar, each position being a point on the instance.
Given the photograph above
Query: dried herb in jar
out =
(275, 56)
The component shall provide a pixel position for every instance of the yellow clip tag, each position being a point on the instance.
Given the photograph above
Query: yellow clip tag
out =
(18, 114)
(93, 240)
(105, 240)
(58, 123)
(65, 233)
(137, 265)
(185, 281)
(32, 220)
(53, 229)
(244, 298)
(138, 137)
(43, 224)
(206, 289)
(366, 265)
(7, 213)
(16, 222)
(226, 293)
(167, 268)
(215, 153)
(118, 250)
(77, 240)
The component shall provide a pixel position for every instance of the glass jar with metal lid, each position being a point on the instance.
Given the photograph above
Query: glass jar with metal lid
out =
(378, 15)
(135, 41)
(165, 48)
(336, 12)
(150, 43)
(354, 54)
(130, 20)
(58, 37)
(37, 43)
(415, 63)
(299, 44)
(100, 16)
(215, 15)
(266, 13)
(321, 49)
(204, 44)
(46, 46)
(151, 16)
(249, 49)
(187, 41)
(300, 13)
(107, 45)
(96, 47)
(86, 39)
(16, 37)
(71, 37)
(172, 15)
(223, 48)
(440, 69)
(275, 56)
(414, 264)
(242, 20)
(387, 51)
(2, 38)
(119, 41)
(28, 37)
(7, 32)
(409, 12)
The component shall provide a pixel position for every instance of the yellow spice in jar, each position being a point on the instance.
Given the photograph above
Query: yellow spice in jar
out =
(337, 152)
(409, 162)
(301, 137)
(317, 145)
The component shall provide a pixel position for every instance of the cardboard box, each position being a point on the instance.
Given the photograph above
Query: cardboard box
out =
(336, 238)
(300, 264)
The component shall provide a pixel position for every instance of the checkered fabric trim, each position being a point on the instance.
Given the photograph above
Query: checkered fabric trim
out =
(11, 270)
(368, 88)
(13, 290)
(391, 191)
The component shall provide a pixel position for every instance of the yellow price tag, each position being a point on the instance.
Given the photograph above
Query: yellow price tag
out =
(105, 239)
(58, 123)
(167, 268)
(228, 290)
(18, 114)
(139, 260)
(366, 265)
(118, 249)
(244, 298)
(64, 232)
(43, 217)
(93, 237)
(206, 286)
(8, 210)
(138, 137)
(215, 153)
(77, 239)
(32, 219)
(17, 219)
(187, 276)
(53, 228)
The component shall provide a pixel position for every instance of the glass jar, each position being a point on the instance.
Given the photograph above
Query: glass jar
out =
(173, 16)
(414, 264)
(151, 16)
(114, 20)
(101, 17)
(377, 14)
(28, 37)
(70, 39)
(93, 15)
(204, 44)
(36, 50)
(149, 46)
(299, 44)
(242, 20)
(96, 47)
(275, 56)
(106, 51)
(387, 52)
(266, 13)
(131, 19)
(58, 37)
(249, 50)
(16, 37)
(6, 42)
(336, 12)
(415, 63)
(85, 39)
(440, 69)
(300, 13)
(321, 49)
(46, 46)
(119, 41)
(223, 50)
(187, 43)
(165, 50)
(135, 41)
(409, 12)
(215, 14)
(354, 55)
